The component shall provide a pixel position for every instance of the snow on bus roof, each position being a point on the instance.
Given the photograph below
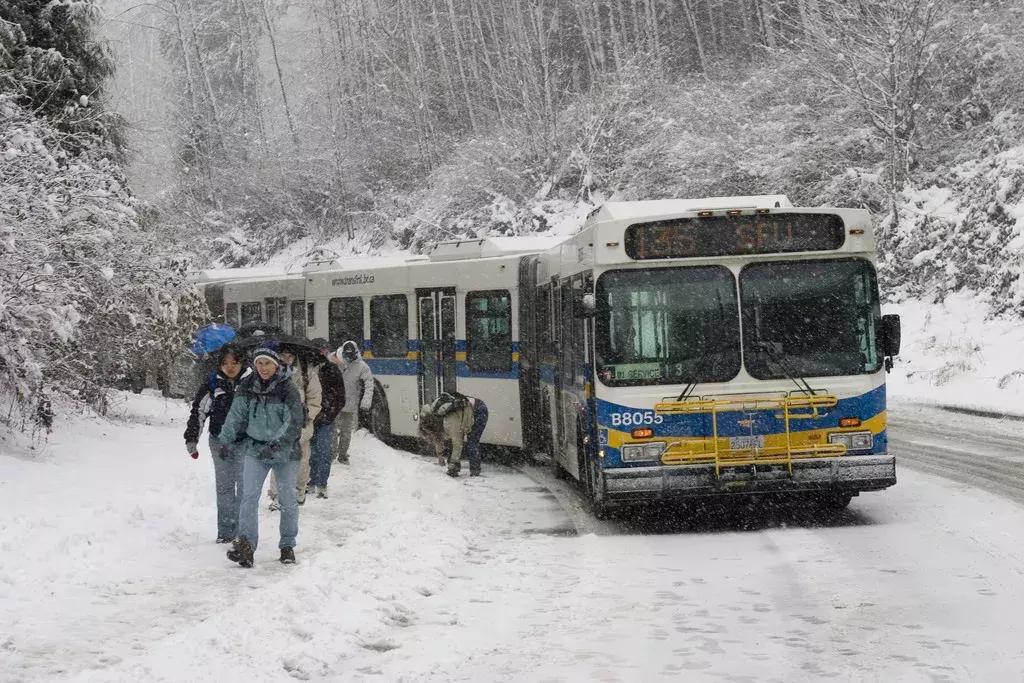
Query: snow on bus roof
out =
(653, 208)
(257, 273)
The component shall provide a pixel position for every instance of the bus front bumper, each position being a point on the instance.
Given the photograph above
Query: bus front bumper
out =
(848, 473)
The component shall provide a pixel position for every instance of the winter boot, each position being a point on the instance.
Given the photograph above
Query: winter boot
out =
(287, 556)
(342, 459)
(321, 491)
(453, 470)
(242, 552)
(224, 539)
(300, 496)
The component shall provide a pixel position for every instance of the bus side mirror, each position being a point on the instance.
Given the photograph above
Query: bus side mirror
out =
(890, 335)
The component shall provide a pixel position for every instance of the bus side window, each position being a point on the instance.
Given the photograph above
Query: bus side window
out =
(488, 331)
(389, 326)
(252, 311)
(277, 311)
(231, 315)
(345, 321)
(577, 340)
(299, 319)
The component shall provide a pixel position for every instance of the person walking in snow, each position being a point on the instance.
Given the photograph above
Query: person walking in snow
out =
(462, 421)
(357, 380)
(322, 445)
(263, 427)
(212, 401)
(307, 380)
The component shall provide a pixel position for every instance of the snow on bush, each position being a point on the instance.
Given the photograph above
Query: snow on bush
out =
(83, 290)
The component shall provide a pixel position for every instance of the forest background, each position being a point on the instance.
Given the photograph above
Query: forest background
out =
(141, 140)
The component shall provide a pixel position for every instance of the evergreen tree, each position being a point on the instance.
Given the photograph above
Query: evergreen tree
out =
(50, 59)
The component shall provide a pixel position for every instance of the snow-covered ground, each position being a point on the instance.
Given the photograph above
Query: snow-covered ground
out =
(954, 354)
(108, 571)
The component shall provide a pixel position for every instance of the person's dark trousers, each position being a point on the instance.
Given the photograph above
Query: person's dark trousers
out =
(475, 432)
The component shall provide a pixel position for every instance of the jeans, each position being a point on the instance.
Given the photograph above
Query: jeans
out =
(227, 476)
(254, 473)
(320, 454)
(475, 432)
(346, 424)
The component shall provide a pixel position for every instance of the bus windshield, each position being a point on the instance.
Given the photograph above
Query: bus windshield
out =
(667, 326)
(810, 319)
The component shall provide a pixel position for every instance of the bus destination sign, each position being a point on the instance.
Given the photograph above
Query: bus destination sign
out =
(772, 233)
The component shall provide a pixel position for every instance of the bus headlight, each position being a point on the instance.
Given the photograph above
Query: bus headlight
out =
(854, 441)
(643, 452)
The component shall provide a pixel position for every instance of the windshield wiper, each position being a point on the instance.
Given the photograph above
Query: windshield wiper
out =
(776, 357)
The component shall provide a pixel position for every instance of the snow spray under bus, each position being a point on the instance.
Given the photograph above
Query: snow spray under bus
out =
(670, 349)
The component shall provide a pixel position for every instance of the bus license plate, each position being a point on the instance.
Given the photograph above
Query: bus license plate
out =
(746, 443)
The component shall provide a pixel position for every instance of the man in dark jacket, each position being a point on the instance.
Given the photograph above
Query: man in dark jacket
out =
(213, 400)
(321, 446)
(263, 426)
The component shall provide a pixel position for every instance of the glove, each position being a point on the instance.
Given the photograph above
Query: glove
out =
(192, 448)
(267, 451)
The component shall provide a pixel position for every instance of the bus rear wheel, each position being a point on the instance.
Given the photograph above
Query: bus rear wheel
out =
(380, 416)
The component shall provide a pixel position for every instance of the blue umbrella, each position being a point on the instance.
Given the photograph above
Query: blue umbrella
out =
(209, 339)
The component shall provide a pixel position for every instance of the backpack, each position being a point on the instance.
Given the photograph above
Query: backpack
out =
(448, 403)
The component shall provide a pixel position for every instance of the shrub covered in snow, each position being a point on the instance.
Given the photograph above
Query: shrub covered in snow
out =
(85, 292)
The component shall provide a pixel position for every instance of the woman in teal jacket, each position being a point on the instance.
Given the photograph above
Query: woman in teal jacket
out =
(263, 427)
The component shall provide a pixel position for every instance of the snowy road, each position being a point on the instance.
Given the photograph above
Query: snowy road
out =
(407, 575)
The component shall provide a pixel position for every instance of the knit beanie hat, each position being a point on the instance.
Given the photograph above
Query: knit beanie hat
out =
(267, 353)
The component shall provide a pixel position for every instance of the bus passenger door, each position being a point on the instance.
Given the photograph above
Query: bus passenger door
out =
(436, 314)
(566, 372)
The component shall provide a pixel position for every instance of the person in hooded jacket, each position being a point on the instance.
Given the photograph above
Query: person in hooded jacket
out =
(357, 380)
(323, 441)
(307, 380)
(263, 427)
(212, 401)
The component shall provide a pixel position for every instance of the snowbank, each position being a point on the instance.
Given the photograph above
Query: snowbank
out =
(954, 354)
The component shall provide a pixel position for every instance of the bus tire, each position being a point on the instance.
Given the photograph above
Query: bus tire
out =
(597, 503)
(556, 467)
(380, 416)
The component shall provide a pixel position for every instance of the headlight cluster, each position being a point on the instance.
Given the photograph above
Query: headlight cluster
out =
(643, 452)
(854, 441)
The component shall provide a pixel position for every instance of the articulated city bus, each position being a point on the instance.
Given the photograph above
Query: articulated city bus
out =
(674, 348)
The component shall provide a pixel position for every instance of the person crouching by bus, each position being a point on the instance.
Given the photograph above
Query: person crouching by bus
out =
(464, 419)
(307, 380)
(213, 400)
(358, 382)
(263, 427)
(321, 447)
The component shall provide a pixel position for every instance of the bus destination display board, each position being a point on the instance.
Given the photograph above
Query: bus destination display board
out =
(735, 235)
